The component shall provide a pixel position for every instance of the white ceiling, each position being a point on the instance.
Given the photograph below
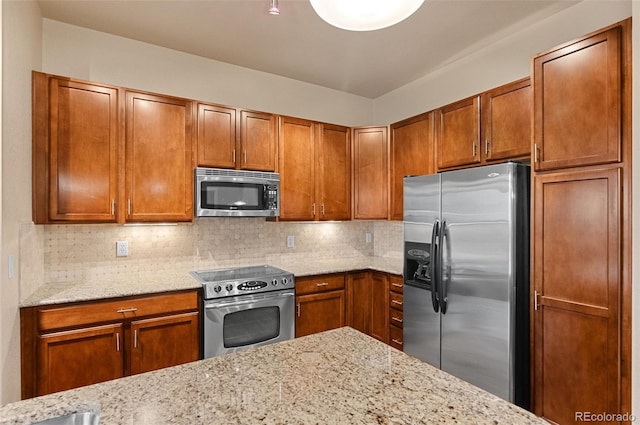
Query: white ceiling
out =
(299, 45)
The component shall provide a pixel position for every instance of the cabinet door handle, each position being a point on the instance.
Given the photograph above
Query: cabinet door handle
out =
(298, 309)
(396, 302)
(536, 157)
(397, 285)
(473, 149)
(129, 206)
(135, 338)
(323, 209)
(245, 156)
(313, 209)
(126, 310)
(396, 319)
(113, 207)
(118, 341)
(322, 284)
(396, 341)
(535, 300)
(486, 147)
(234, 156)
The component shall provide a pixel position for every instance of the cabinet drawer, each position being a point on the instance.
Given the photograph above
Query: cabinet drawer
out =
(396, 283)
(321, 283)
(396, 317)
(395, 300)
(115, 310)
(395, 337)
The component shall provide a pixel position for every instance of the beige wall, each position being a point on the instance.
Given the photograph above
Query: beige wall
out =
(21, 52)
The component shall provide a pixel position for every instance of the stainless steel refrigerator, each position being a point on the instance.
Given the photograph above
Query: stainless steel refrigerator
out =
(466, 275)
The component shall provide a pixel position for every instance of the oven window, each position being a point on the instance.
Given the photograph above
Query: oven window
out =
(247, 327)
(232, 196)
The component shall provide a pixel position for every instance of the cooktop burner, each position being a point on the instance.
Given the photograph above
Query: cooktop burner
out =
(229, 282)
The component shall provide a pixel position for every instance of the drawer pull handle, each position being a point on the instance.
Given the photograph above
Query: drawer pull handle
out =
(397, 285)
(396, 341)
(396, 302)
(396, 319)
(322, 284)
(127, 310)
(117, 341)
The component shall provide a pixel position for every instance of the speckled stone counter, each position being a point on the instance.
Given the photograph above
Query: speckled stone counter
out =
(336, 377)
(153, 282)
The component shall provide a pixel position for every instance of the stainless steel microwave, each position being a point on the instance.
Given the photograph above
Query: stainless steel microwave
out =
(236, 193)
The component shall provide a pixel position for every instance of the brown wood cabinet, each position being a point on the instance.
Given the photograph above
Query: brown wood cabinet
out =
(493, 126)
(412, 153)
(315, 178)
(577, 102)
(581, 281)
(75, 148)
(158, 158)
(258, 141)
(370, 173)
(506, 121)
(320, 303)
(458, 133)
(67, 346)
(368, 303)
(396, 317)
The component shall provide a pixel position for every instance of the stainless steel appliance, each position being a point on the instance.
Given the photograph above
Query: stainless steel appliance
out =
(246, 307)
(466, 272)
(236, 193)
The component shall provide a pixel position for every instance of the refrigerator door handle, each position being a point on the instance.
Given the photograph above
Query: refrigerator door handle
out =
(433, 257)
(444, 276)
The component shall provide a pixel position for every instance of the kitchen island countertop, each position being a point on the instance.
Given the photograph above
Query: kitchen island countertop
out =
(335, 377)
(141, 282)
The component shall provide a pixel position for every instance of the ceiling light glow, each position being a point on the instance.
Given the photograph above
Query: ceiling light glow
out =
(364, 15)
(274, 9)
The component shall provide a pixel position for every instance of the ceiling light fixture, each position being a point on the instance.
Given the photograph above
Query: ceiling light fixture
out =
(274, 9)
(365, 15)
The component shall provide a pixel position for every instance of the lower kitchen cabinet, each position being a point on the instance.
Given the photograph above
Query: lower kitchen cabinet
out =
(68, 346)
(396, 317)
(367, 303)
(320, 303)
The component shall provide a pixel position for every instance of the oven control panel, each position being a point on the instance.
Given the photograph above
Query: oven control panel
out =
(236, 287)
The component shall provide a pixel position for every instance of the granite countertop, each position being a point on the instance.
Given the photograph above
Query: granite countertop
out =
(141, 283)
(335, 377)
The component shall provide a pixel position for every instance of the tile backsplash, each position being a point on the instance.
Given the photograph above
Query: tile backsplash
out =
(68, 253)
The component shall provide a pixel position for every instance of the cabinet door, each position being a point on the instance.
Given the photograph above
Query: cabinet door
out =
(577, 279)
(258, 141)
(577, 103)
(297, 174)
(412, 148)
(75, 358)
(164, 341)
(458, 133)
(370, 173)
(379, 317)
(333, 177)
(83, 146)
(216, 143)
(319, 312)
(506, 121)
(359, 301)
(159, 163)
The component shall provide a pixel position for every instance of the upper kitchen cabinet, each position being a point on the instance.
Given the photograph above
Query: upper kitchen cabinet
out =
(458, 133)
(577, 101)
(158, 157)
(506, 121)
(315, 170)
(370, 173)
(297, 169)
(333, 172)
(232, 138)
(75, 148)
(412, 153)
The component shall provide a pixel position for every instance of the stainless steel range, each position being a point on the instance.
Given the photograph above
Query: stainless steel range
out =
(246, 307)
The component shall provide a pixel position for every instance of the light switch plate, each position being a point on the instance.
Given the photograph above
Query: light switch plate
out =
(367, 237)
(122, 248)
(291, 241)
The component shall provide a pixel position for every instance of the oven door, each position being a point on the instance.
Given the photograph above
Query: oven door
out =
(238, 323)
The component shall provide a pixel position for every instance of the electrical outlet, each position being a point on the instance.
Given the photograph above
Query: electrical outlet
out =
(122, 248)
(367, 237)
(291, 241)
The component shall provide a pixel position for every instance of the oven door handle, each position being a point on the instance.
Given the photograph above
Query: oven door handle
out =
(252, 300)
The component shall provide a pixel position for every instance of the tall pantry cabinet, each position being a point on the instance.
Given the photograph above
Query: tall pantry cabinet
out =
(581, 278)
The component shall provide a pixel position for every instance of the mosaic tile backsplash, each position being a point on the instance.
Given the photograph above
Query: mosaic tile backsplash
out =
(77, 252)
